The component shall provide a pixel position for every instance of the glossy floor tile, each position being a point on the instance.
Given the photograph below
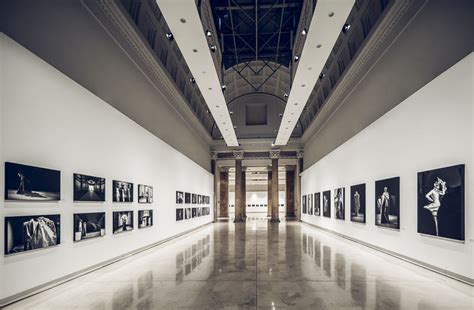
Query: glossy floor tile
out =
(257, 265)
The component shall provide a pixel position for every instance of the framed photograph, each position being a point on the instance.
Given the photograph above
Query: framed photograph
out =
(199, 212)
(187, 213)
(304, 208)
(122, 221)
(187, 198)
(358, 203)
(339, 203)
(32, 232)
(88, 188)
(310, 204)
(317, 204)
(387, 203)
(145, 218)
(145, 193)
(194, 212)
(193, 199)
(89, 225)
(441, 202)
(122, 191)
(327, 203)
(179, 197)
(199, 199)
(29, 183)
(179, 214)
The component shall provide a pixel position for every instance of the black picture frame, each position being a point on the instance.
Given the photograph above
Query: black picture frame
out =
(340, 203)
(122, 221)
(326, 203)
(145, 218)
(179, 197)
(88, 226)
(358, 203)
(193, 199)
(88, 188)
(187, 198)
(317, 204)
(179, 214)
(387, 203)
(145, 193)
(122, 191)
(304, 208)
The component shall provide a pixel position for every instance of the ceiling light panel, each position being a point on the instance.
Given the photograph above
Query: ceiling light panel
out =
(328, 19)
(183, 20)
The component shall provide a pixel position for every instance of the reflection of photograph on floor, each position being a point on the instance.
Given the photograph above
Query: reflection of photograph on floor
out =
(358, 203)
(122, 221)
(26, 233)
(179, 214)
(88, 188)
(193, 256)
(123, 191)
(145, 193)
(387, 203)
(89, 225)
(30, 183)
(145, 218)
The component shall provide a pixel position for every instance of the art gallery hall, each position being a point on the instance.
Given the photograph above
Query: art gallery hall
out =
(236, 154)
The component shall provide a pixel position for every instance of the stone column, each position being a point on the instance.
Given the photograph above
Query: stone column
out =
(275, 155)
(238, 155)
(244, 192)
(299, 168)
(269, 192)
(224, 194)
(290, 192)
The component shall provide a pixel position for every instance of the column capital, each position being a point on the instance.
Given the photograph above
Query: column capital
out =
(214, 155)
(299, 153)
(238, 154)
(275, 154)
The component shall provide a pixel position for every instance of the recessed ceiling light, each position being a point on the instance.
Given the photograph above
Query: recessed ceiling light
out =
(331, 14)
(304, 32)
(318, 46)
(170, 37)
(204, 72)
(310, 68)
(183, 20)
(285, 95)
(297, 58)
(322, 75)
(217, 106)
(210, 88)
(281, 114)
(289, 121)
(224, 123)
(296, 103)
(195, 50)
(346, 28)
(213, 48)
(303, 85)
(231, 112)
(208, 33)
(286, 127)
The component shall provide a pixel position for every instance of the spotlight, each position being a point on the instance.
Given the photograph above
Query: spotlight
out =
(281, 115)
(346, 28)
(297, 58)
(208, 33)
(223, 88)
(285, 95)
(192, 80)
(235, 127)
(322, 75)
(213, 48)
(207, 111)
(231, 112)
(304, 32)
(170, 37)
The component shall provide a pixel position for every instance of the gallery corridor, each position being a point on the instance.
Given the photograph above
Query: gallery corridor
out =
(257, 265)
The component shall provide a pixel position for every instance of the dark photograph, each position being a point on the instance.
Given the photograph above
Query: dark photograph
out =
(304, 207)
(26, 233)
(89, 225)
(179, 197)
(179, 214)
(441, 202)
(88, 188)
(145, 193)
(194, 212)
(339, 203)
(358, 203)
(28, 183)
(187, 213)
(310, 204)
(145, 218)
(122, 191)
(387, 203)
(122, 221)
(187, 198)
(326, 204)
(194, 199)
(317, 204)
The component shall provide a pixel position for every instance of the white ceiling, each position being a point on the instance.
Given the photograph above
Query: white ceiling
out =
(183, 20)
(326, 24)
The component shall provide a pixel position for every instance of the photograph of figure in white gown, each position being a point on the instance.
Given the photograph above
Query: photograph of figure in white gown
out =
(441, 202)
(339, 203)
(387, 203)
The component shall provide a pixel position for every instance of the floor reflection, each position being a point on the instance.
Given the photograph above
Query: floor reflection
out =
(261, 265)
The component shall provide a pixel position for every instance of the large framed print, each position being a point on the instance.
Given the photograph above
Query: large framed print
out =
(145, 193)
(88, 188)
(89, 225)
(179, 197)
(29, 183)
(31, 232)
(441, 202)
(317, 204)
(358, 203)
(145, 218)
(122, 221)
(327, 203)
(339, 203)
(304, 207)
(122, 191)
(387, 203)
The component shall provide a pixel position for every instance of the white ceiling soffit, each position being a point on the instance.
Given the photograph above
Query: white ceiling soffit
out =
(326, 25)
(183, 20)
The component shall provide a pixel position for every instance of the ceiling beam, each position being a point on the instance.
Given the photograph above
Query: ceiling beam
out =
(262, 6)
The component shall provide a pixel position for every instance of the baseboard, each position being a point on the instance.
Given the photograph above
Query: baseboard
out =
(408, 259)
(51, 284)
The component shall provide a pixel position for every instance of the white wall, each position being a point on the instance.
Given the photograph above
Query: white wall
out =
(258, 198)
(433, 128)
(50, 121)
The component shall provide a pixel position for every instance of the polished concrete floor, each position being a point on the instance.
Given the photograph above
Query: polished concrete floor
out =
(257, 265)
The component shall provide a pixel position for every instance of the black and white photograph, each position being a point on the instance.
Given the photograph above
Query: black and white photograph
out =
(122, 221)
(441, 202)
(179, 214)
(89, 225)
(187, 213)
(145, 193)
(358, 203)
(310, 204)
(179, 197)
(194, 212)
(339, 203)
(199, 212)
(187, 198)
(326, 204)
(387, 203)
(193, 199)
(29, 183)
(27, 233)
(145, 218)
(88, 188)
(122, 191)
(305, 207)
(317, 204)
(199, 199)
